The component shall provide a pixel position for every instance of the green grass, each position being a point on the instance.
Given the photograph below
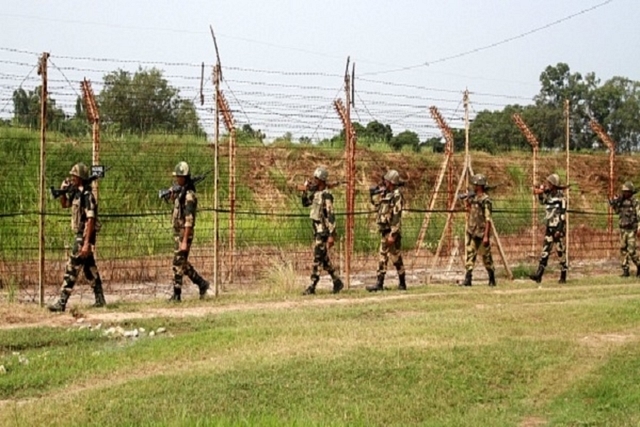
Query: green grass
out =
(440, 356)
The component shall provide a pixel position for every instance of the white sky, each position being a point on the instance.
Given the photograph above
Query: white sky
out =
(317, 36)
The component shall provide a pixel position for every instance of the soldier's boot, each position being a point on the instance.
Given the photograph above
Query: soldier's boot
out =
(99, 294)
(379, 286)
(61, 304)
(468, 278)
(638, 271)
(177, 295)
(492, 277)
(337, 284)
(537, 276)
(402, 285)
(203, 285)
(563, 276)
(311, 289)
(625, 272)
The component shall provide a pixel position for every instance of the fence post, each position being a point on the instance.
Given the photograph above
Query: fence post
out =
(42, 70)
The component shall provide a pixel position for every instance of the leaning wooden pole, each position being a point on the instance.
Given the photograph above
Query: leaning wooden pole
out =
(611, 145)
(44, 95)
(216, 206)
(568, 140)
(533, 141)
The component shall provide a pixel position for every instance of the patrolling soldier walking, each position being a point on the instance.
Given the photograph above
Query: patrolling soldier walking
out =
(84, 223)
(628, 209)
(389, 202)
(551, 196)
(316, 195)
(183, 218)
(477, 241)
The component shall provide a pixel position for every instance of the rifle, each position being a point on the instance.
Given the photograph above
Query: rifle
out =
(97, 172)
(176, 189)
(467, 195)
(309, 185)
(381, 188)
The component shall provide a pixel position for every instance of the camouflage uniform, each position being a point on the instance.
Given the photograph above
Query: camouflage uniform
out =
(323, 223)
(389, 205)
(83, 207)
(480, 209)
(628, 210)
(183, 219)
(555, 205)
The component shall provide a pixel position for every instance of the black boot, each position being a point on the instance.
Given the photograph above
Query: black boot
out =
(468, 277)
(311, 289)
(492, 277)
(402, 282)
(625, 272)
(99, 294)
(537, 276)
(638, 271)
(176, 297)
(563, 276)
(379, 286)
(202, 284)
(61, 304)
(337, 285)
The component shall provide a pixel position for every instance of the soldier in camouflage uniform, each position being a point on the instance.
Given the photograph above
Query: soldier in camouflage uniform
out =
(323, 221)
(389, 202)
(183, 218)
(84, 223)
(479, 208)
(628, 209)
(551, 196)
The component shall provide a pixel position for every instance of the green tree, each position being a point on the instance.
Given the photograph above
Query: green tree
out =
(27, 106)
(406, 138)
(616, 106)
(144, 102)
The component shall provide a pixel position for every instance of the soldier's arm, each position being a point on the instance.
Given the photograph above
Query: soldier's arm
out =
(329, 213)
(396, 214)
(189, 220)
(89, 228)
(487, 209)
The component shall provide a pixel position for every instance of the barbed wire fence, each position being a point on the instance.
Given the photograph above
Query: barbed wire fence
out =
(260, 226)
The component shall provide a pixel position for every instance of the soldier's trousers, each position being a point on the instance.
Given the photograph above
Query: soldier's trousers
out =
(628, 248)
(321, 258)
(75, 263)
(181, 265)
(549, 241)
(473, 248)
(390, 252)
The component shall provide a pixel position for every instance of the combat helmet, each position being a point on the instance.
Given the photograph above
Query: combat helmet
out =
(628, 186)
(554, 180)
(80, 170)
(182, 169)
(479, 179)
(321, 173)
(392, 176)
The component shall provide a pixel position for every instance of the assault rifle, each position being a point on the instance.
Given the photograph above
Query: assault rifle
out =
(176, 189)
(309, 185)
(467, 195)
(97, 172)
(380, 188)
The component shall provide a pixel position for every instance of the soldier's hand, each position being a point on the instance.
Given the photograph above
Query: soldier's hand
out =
(183, 247)
(65, 184)
(557, 234)
(330, 242)
(485, 241)
(84, 251)
(390, 240)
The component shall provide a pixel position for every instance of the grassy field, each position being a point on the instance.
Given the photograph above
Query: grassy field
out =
(518, 355)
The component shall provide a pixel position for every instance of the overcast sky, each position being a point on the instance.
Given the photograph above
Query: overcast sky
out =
(301, 36)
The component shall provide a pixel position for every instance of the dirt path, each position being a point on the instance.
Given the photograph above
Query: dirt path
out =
(30, 316)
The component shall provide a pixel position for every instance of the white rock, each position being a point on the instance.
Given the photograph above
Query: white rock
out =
(3, 370)
(161, 330)
(99, 326)
(152, 334)
(23, 360)
(80, 320)
(141, 330)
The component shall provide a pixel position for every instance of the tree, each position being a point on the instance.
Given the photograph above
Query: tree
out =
(406, 138)
(27, 106)
(145, 102)
(616, 105)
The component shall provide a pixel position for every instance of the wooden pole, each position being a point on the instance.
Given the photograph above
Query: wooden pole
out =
(568, 139)
(349, 178)
(216, 225)
(42, 70)
(611, 145)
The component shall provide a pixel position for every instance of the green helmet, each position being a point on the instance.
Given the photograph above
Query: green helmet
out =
(80, 170)
(182, 169)
(628, 186)
(479, 179)
(554, 180)
(321, 173)
(392, 176)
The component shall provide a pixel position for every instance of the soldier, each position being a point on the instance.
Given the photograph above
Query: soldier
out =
(479, 208)
(316, 195)
(551, 196)
(185, 204)
(84, 223)
(628, 209)
(388, 200)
